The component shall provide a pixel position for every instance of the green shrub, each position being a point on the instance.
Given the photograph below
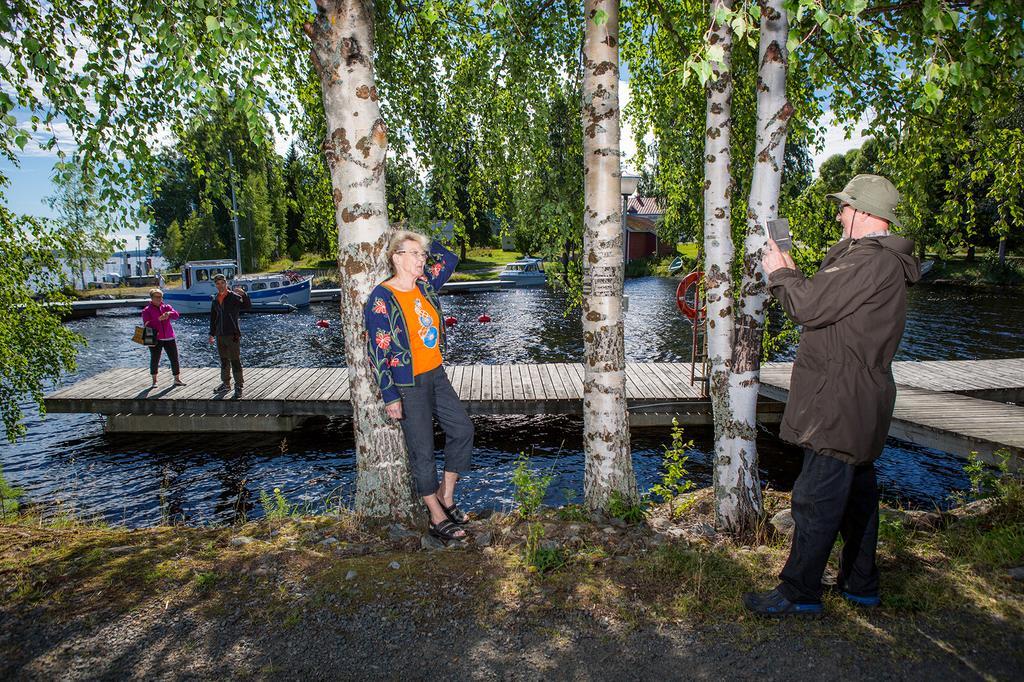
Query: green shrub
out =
(1007, 273)
(530, 487)
(538, 557)
(641, 267)
(674, 482)
(993, 482)
(621, 507)
(9, 497)
(893, 534)
(572, 511)
(275, 506)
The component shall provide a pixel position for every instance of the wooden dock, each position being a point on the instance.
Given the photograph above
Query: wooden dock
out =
(957, 406)
(950, 406)
(655, 392)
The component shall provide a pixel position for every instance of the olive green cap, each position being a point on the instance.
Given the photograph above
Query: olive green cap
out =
(872, 194)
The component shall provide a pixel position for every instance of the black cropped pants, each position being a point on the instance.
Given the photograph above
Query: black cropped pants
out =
(433, 396)
(171, 346)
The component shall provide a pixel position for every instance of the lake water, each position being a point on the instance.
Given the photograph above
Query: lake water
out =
(145, 480)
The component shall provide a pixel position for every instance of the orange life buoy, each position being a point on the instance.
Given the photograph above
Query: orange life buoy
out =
(684, 287)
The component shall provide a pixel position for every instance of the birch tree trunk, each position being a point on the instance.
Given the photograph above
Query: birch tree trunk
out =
(741, 508)
(609, 467)
(719, 254)
(355, 150)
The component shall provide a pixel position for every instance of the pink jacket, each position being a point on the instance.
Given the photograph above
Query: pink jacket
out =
(151, 318)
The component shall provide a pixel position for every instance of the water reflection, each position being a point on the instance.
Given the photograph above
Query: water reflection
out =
(144, 480)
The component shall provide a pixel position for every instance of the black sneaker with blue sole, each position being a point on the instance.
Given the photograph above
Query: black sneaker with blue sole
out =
(774, 604)
(869, 601)
(866, 601)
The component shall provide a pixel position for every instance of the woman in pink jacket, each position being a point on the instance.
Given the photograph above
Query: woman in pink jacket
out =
(158, 315)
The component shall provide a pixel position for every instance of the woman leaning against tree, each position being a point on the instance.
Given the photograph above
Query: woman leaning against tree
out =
(406, 341)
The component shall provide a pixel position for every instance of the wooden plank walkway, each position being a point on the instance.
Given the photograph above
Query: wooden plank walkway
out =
(937, 403)
(935, 406)
(297, 391)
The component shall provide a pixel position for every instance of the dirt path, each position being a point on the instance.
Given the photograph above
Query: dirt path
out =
(387, 641)
(328, 598)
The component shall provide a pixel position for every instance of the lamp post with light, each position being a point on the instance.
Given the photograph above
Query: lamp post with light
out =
(629, 183)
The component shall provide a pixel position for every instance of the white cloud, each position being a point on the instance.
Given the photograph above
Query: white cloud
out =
(627, 142)
(283, 136)
(38, 139)
(836, 138)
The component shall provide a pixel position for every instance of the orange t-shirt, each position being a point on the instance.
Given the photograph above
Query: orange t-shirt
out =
(423, 325)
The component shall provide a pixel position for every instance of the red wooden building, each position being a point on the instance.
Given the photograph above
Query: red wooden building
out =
(643, 214)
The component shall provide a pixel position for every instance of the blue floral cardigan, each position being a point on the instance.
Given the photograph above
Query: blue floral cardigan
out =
(386, 328)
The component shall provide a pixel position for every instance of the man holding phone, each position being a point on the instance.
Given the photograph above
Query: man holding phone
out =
(841, 394)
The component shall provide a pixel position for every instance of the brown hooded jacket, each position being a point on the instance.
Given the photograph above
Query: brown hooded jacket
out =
(853, 310)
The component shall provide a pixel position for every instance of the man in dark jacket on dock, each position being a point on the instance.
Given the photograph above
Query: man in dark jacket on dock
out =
(225, 331)
(841, 394)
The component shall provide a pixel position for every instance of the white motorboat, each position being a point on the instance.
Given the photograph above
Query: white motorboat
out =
(273, 292)
(525, 272)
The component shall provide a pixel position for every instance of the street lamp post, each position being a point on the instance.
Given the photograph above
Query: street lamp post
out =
(629, 183)
(138, 247)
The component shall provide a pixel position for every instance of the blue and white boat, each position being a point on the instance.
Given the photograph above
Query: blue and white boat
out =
(525, 272)
(273, 292)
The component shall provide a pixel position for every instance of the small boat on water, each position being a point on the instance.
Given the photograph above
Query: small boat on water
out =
(676, 265)
(525, 272)
(274, 292)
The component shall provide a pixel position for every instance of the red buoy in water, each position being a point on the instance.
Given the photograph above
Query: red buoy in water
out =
(323, 324)
(450, 321)
(484, 318)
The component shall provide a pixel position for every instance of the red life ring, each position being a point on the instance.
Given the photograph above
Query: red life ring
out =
(684, 287)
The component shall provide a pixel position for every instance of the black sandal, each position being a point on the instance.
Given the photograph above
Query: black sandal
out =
(454, 514)
(446, 532)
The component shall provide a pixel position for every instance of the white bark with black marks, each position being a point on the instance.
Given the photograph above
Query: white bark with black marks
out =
(609, 467)
(355, 150)
(719, 254)
(742, 506)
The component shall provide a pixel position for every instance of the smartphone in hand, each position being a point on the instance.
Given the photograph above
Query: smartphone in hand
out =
(778, 230)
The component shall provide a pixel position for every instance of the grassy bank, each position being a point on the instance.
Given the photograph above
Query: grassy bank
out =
(981, 271)
(483, 263)
(946, 576)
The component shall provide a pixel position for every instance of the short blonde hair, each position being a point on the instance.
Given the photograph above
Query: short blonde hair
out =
(400, 238)
(156, 291)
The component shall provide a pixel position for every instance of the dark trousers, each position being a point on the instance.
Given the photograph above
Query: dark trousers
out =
(831, 497)
(230, 352)
(171, 346)
(433, 396)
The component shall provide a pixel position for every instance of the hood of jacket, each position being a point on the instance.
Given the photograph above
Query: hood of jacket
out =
(900, 247)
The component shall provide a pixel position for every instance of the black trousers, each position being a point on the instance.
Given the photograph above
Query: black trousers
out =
(832, 498)
(230, 351)
(433, 396)
(171, 346)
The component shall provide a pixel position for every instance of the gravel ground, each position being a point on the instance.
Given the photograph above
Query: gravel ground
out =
(378, 642)
(328, 598)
